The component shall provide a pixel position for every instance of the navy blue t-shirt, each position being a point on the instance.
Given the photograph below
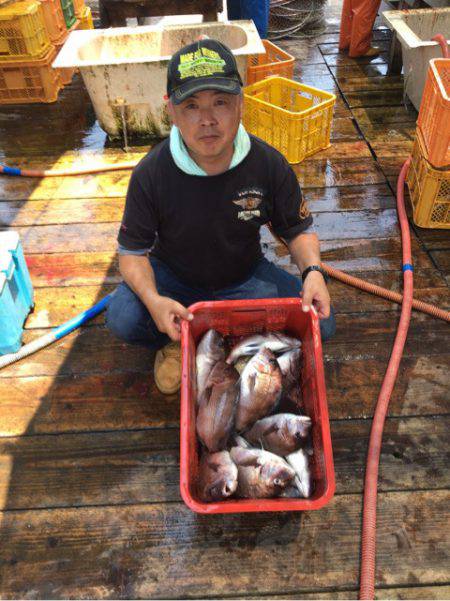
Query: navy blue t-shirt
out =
(206, 228)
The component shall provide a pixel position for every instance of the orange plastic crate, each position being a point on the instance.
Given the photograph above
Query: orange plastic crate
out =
(26, 82)
(274, 61)
(429, 189)
(79, 7)
(54, 20)
(434, 114)
(23, 34)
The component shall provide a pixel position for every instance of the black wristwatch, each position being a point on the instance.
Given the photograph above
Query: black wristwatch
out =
(315, 268)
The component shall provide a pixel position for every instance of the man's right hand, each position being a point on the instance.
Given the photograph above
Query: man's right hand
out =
(167, 315)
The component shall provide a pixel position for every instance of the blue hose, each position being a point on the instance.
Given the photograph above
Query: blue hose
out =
(82, 318)
(57, 333)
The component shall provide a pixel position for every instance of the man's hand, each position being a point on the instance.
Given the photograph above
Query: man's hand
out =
(315, 292)
(167, 315)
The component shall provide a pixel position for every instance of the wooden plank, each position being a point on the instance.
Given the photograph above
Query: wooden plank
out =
(317, 76)
(358, 69)
(305, 50)
(350, 198)
(101, 237)
(341, 150)
(354, 255)
(54, 306)
(442, 259)
(375, 117)
(417, 592)
(358, 336)
(362, 254)
(331, 172)
(337, 60)
(115, 468)
(154, 551)
(85, 351)
(114, 184)
(333, 38)
(72, 237)
(84, 397)
(105, 185)
(434, 239)
(73, 269)
(60, 211)
(333, 47)
(373, 98)
(343, 129)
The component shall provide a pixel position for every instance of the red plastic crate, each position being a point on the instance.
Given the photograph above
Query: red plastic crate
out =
(238, 318)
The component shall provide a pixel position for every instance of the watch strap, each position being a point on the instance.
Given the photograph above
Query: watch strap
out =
(315, 268)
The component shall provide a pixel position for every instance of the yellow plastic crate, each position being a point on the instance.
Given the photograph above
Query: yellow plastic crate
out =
(86, 21)
(23, 35)
(291, 116)
(25, 82)
(429, 190)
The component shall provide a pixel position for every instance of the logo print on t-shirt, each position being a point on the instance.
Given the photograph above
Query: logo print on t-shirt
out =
(249, 200)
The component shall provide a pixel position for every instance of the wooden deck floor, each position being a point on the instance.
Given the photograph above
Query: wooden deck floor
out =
(90, 506)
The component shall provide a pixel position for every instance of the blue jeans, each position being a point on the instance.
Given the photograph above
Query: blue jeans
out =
(129, 319)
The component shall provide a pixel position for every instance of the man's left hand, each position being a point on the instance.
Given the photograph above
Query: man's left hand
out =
(315, 292)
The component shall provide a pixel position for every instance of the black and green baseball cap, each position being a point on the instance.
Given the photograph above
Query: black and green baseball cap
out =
(203, 65)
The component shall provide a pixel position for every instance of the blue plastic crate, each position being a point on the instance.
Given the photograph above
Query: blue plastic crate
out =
(16, 296)
(10, 321)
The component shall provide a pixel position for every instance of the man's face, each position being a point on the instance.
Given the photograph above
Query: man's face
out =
(208, 121)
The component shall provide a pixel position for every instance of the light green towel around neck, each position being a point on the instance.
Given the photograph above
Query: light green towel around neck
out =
(186, 163)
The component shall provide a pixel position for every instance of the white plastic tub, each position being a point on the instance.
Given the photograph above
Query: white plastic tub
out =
(125, 68)
(414, 29)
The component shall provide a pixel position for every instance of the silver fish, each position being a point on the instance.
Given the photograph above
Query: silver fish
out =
(260, 389)
(218, 476)
(239, 441)
(275, 341)
(303, 479)
(282, 434)
(241, 363)
(290, 364)
(217, 407)
(260, 474)
(210, 350)
(291, 492)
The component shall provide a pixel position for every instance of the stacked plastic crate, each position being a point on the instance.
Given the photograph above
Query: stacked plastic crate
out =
(291, 116)
(31, 34)
(429, 174)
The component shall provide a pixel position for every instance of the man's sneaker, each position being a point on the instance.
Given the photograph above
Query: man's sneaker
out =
(167, 368)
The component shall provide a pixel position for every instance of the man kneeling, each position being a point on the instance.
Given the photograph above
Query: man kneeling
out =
(194, 208)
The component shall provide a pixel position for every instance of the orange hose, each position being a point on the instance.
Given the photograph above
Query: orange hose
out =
(395, 297)
(368, 544)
